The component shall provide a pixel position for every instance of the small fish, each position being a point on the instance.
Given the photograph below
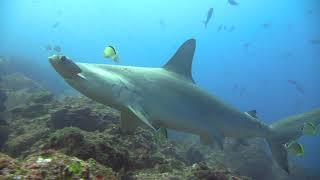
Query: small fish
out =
(247, 45)
(48, 47)
(110, 52)
(266, 25)
(232, 28)
(220, 27)
(297, 85)
(309, 129)
(315, 41)
(292, 81)
(162, 24)
(55, 25)
(300, 88)
(209, 15)
(233, 3)
(235, 87)
(57, 48)
(295, 148)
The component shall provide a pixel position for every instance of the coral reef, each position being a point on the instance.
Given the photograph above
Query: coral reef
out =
(19, 89)
(4, 128)
(52, 165)
(3, 99)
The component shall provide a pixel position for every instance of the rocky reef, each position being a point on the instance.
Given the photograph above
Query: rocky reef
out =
(77, 138)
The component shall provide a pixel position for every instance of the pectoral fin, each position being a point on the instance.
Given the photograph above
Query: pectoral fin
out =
(129, 121)
(140, 115)
(162, 132)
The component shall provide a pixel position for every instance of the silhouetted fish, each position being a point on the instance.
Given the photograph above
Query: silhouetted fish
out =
(57, 48)
(220, 27)
(309, 11)
(232, 28)
(233, 2)
(297, 85)
(238, 89)
(56, 24)
(162, 24)
(247, 45)
(266, 25)
(48, 47)
(292, 81)
(209, 15)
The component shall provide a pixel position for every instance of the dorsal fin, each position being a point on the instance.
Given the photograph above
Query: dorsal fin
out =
(252, 113)
(181, 62)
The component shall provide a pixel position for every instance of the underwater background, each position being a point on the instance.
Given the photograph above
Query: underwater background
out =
(262, 55)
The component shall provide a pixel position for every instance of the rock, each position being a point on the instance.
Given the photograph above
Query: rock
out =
(3, 99)
(202, 172)
(4, 131)
(85, 145)
(42, 97)
(252, 161)
(29, 111)
(17, 81)
(193, 155)
(18, 144)
(8, 167)
(52, 165)
(19, 89)
(81, 117)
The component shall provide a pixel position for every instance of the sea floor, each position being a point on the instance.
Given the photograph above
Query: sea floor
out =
(45, 136)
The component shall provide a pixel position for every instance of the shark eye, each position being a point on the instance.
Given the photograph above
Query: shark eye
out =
(64, 59)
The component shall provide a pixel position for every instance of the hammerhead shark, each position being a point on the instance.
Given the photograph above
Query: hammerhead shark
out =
(167, 97)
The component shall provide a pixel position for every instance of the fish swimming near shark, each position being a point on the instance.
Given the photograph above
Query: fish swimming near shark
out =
(209, 16)
(168, 97)
(233, 3)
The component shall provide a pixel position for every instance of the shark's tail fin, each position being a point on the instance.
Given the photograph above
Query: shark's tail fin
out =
(279, 153)
(290, 129)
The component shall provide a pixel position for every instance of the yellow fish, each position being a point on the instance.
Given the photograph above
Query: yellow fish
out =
(110, 52)
(295, 148)
(309, 129)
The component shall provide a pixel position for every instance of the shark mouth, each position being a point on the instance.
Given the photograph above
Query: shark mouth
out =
(65, 66)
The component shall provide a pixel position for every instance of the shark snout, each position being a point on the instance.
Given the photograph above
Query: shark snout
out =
(56, 59)
(64, 66)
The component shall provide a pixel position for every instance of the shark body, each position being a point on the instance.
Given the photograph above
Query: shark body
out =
(166, 97)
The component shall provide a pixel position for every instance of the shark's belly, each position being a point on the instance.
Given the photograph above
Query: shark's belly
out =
(180, 117)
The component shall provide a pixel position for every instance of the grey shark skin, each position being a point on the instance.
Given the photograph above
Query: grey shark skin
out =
(165, 97)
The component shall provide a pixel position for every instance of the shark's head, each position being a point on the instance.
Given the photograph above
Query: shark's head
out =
(98, 83)
(64, 66)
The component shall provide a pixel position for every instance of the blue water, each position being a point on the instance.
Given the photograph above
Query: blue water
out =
(147, 33)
